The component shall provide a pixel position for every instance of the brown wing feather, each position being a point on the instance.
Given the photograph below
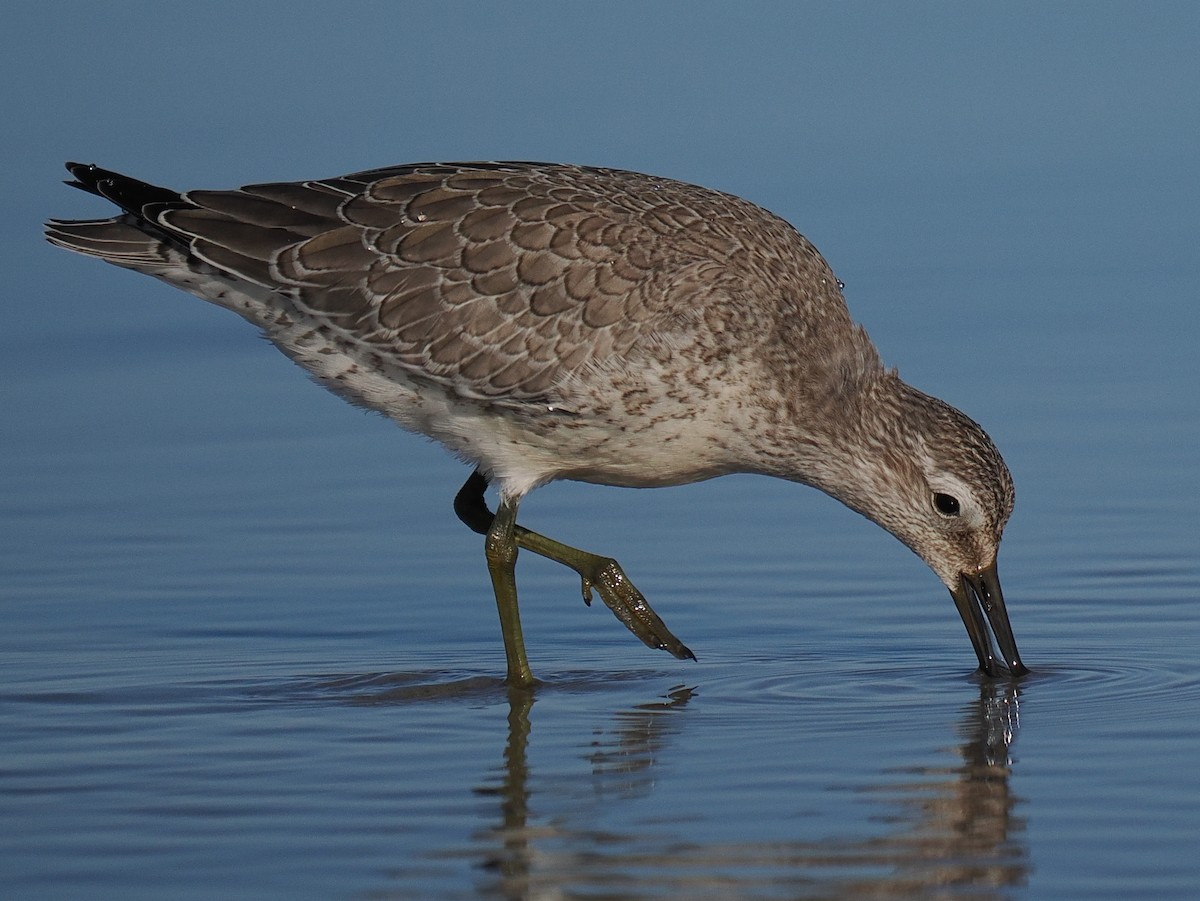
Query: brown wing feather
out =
(497, 279)
(494, 278)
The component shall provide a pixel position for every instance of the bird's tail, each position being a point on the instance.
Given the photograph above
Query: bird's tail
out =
(134, 239)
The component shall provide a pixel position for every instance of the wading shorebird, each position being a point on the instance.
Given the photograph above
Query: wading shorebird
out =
(549, 321)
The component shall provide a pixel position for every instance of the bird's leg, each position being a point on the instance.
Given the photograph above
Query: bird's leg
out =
(500, 548)
(602, 573)
(621, 595)
(469, 505)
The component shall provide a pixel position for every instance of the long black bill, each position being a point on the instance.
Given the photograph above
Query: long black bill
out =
(978, 595)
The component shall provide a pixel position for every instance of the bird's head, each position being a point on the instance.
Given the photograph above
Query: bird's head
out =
(932, 477)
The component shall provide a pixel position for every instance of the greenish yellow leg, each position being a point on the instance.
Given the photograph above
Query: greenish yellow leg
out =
(602, 573)
(500, 548)
(618, 593)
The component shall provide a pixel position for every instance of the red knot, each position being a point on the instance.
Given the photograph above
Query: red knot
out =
(549, 321)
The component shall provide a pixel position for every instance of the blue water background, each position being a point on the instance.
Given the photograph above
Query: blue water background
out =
(246, 648)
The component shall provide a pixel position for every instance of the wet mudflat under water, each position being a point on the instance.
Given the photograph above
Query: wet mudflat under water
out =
(248, 649)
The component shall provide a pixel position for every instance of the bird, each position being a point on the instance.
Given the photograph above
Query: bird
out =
(549, 321)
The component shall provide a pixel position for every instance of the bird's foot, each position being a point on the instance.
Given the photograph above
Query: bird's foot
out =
(631, 607)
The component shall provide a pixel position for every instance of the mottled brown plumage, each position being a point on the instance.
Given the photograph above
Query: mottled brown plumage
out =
(549, 321)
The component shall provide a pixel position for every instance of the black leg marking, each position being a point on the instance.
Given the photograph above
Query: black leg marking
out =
(470, 506)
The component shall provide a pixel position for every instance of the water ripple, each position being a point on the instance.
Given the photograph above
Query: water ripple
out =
(1143, 690)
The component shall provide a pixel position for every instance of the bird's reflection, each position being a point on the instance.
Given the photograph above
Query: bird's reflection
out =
(623, 759)
(956, 825)
(952, 832)
(511, 860)
(622, 762)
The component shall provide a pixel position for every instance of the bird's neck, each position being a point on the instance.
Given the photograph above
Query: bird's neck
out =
(847, 439)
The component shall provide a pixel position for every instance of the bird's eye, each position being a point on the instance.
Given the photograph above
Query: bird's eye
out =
(945, 504)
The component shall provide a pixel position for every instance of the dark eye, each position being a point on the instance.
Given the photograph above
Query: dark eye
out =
(945, 504)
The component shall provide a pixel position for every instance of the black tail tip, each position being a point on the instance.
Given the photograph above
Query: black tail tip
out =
(84, 176)
(128, 193)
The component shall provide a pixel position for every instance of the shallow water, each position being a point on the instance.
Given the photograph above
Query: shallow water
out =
(247, 648)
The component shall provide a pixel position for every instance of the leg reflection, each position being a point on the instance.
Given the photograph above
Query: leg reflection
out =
(953, 832)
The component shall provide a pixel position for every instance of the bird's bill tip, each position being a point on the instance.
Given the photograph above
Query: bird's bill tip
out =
(980, 603)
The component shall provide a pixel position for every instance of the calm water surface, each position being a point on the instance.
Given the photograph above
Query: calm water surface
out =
(247, 648)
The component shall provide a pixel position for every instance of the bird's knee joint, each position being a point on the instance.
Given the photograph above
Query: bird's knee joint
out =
(498, 551)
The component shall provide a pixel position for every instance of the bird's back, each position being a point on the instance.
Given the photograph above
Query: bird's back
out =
(497, 279)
